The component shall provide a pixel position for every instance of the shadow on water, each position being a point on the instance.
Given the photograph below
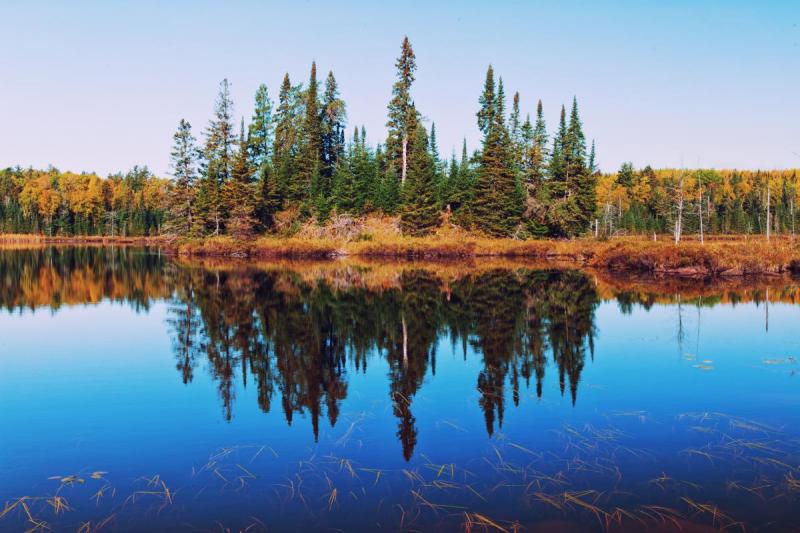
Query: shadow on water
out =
(307, 336)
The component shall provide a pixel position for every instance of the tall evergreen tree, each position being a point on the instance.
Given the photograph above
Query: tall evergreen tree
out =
(183, 159)
(218, 155)
(487, 103)
(580, 180)
(496, 206)
(540, 152)
(239, 195)
(403, 115)
(284, 150)
(259, 135)
(420, 212)
(307, 180)
(333, 124)
(259, 150)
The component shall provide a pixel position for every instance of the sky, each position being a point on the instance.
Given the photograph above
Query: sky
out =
(101, 85)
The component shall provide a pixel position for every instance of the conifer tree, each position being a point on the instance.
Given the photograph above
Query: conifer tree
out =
(515, 126)
(284, 151)
(259, 150)
(220, 137)
(238, 194)
(259, 135)
(420, 212)
(582, 183)
(557, 167)
(496, 206)
(184, 169)
(218, 156)
(487, 102)
(308, 171)
(403, 115)
(333, 124)
(540, 152)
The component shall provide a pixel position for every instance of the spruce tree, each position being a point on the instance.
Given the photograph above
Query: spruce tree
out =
(403, 115)
(496, 206)
(259, 150)
(487, 101)
(259, 135)
(333, 124)
(309, 163)
(183, 160)
(539, 160)
(581, 182)
(420, 213)
(239, 195)
(218, 160)
(284, 150)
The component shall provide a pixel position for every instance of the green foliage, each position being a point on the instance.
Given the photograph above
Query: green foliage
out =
(420, 213)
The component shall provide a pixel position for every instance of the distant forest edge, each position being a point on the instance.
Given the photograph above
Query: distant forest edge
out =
(292, 165)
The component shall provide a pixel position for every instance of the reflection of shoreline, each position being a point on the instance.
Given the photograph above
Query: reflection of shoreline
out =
(379, 274)
(43, 276)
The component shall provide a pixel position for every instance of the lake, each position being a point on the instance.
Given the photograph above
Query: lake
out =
(145, 392)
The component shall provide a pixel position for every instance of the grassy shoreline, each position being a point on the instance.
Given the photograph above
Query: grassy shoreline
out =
(718, 257)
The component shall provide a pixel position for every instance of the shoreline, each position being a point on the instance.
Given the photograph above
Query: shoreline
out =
(721, 256)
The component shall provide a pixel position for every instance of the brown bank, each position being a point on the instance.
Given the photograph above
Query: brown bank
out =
(717, 257)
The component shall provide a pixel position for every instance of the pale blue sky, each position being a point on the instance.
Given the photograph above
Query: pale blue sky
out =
(102, 85)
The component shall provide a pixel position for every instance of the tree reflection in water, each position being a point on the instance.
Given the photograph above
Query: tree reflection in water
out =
(294, 337)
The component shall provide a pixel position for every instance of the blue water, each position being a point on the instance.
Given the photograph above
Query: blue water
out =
(282, 399)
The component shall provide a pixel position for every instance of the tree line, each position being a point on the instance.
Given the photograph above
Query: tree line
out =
(294, 155)
(704, 201)
(293, 161)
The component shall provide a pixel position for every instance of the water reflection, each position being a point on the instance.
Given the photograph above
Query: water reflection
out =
(294, 331)
(541, 431)
(294, 337)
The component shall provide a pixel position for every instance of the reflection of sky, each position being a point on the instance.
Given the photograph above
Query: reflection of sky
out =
(96, 388)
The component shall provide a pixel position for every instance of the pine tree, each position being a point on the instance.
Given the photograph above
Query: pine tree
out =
(592, 165)
(331, 145)
(487, 103)
(284, 150)
(259, 135)
(220, 137)
(496, 206)
(333, 124)
(540, 152)
(307, 181)
(184, 169)
(403, 115)
(238, 194)
(581, 182)
(218, 155)
(515, 131)
(259, 150)
(557, 167)
(420, 212)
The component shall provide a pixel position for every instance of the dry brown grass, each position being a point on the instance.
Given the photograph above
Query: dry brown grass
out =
(379, 237)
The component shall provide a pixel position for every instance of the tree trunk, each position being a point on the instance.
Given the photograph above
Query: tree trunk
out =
(405, 343)
(768, 199)
(679, 221)
(405, 160)
(701, 217)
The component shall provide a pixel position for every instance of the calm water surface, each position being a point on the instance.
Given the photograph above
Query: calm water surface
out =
(143, 393)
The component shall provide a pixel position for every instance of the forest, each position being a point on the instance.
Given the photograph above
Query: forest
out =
(293, 161)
